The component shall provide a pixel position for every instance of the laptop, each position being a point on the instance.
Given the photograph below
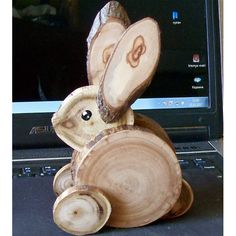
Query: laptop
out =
(185, 98)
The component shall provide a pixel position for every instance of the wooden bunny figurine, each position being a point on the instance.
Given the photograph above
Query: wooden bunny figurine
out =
(124, 171)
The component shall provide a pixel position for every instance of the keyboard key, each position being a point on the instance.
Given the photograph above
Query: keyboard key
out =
(27, 172)
(48, 170)
(204, 163)
(186, 164)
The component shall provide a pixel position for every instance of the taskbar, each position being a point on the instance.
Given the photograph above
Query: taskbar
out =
(171, 103)
(139, 104)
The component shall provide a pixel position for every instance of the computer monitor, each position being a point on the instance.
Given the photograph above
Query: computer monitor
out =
(49, 62)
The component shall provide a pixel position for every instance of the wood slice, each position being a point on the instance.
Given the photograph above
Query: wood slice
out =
(75, 162)
(183, 204)
(81, 210)
(147, 122)
(138, 172)
(101, 48)
(78, 120)
(130, 68)
(112, 9)
(62, 180)
(185, 199)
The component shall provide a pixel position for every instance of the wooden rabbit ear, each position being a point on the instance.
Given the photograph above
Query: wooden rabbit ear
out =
(130, 69)
(108, 26)
(101, 48)
(112, 10)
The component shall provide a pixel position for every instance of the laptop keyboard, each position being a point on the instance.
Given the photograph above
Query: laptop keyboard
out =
(35, 171)
(32, 209)
(50, 170)
(202, 163)
(32, 172)
(200, 155)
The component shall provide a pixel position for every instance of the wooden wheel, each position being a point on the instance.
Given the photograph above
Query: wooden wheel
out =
(62, 180)
(183, 203)
(81, 210)
(137, 171)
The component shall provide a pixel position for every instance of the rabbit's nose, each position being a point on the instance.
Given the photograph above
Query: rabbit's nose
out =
(55, 120)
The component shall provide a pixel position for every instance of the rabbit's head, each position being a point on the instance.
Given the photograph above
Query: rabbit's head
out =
(78, 120)
(128, 70)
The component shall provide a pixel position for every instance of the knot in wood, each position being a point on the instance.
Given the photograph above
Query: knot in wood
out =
(107, 53)
(139, 48)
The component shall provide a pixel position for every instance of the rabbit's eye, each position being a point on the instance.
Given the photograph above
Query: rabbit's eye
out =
(86, 115)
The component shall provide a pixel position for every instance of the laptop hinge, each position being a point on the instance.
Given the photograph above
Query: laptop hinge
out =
(187, 134)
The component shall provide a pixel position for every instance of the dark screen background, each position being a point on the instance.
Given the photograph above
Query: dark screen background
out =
(49, 55)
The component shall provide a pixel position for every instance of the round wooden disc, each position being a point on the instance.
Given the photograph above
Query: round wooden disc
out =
(62, 180)
(147, 122)
(183, 203)
(81, 210)
(75, 161)
(130, 68)
(101, 47)
(112, 10)
(138, 172)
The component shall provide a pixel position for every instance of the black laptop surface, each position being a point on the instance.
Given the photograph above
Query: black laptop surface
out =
(185, 97)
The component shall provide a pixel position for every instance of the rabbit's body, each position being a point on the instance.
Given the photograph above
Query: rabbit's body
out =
(124, 169)
(137, 171)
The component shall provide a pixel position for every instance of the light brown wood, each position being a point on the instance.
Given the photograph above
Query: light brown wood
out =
(81, 210)
(183, 204)
(75, 162)
(130, 68)
(78, 120)
(137, 171)
(186, 197)
(108, 26)
(147, 122)
(101, 48)
(112, 10)
(62, 180)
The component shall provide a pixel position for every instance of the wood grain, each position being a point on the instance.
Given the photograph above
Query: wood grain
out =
(112, 10)
(62, 180)
(130, 69)
(183, 204)
(101, 48)
(147, 122)
(73, 126)
(81, 210)
(137, 171)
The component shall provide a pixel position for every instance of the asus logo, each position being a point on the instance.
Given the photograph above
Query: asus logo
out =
(46, 129)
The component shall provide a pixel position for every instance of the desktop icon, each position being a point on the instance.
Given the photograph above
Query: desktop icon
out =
(196, 58)
(175, 15)
(197, 79)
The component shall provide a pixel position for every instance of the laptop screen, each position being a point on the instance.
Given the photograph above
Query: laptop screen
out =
(49, 60)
